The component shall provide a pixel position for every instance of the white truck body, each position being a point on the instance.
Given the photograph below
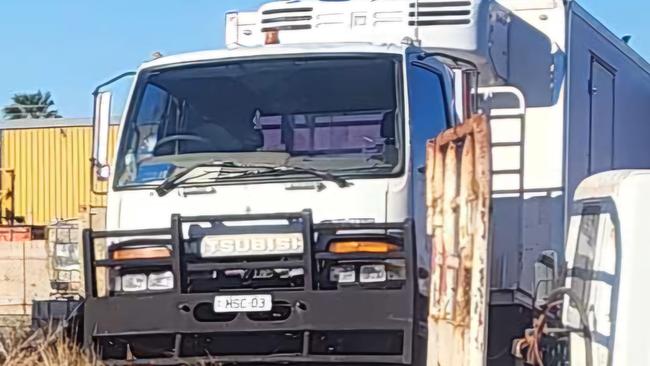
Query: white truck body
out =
(549, 130)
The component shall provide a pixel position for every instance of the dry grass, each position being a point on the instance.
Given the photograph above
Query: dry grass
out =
(42, 348)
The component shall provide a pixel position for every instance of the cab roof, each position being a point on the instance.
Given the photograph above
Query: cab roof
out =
(272, 50)
(608, 184)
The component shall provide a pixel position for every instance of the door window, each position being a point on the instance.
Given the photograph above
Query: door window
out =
(594, 278)
(428, 106)
(585, 253)
(428, 118)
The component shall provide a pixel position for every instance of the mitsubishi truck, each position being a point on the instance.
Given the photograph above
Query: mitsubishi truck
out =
(300, 196)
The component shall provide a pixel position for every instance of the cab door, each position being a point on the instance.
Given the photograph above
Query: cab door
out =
(451, 210)
(429, 91)
(593, 273)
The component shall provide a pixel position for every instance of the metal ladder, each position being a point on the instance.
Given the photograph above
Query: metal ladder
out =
(508, 131)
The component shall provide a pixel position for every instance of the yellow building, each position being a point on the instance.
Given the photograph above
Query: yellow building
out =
(46, 173)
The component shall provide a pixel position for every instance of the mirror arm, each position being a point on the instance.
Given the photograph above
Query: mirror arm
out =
(93, 176)
(118, 77)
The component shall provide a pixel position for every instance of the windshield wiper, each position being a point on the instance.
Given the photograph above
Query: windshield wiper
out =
(286, 170)
(177, 179)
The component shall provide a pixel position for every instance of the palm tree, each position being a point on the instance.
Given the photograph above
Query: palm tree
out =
(33, 105)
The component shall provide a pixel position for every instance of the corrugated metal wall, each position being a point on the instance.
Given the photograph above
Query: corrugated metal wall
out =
(51, 168)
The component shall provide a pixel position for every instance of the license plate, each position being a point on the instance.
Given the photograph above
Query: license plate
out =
(242, 303)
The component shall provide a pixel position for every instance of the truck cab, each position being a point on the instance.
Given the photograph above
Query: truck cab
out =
(274, 196)
(238, 113)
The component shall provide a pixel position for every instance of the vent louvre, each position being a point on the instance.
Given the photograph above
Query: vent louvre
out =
(287, 19)
(287, 27)
(287, 10)
(441, 13)
(435, 13)
(424, 23)
(442, 4)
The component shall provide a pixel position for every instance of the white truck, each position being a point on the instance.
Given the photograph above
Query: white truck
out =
(607, 251)
(601, 309)
(267, 201)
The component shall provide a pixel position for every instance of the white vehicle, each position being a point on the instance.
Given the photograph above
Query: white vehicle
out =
(291, 168)
(606, 251)
(601, 311)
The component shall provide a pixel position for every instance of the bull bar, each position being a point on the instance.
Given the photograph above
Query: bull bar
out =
(343, 325)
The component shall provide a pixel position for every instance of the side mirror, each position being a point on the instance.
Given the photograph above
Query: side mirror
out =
(546, 275)
(101, 122)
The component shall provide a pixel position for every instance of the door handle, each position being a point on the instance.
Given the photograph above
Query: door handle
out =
(421, 169)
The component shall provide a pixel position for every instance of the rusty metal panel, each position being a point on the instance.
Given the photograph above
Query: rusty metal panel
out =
(458, 206)
(51, 173)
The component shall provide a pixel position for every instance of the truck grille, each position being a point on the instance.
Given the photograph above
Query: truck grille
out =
(245, 275)
(246, 271)
(435, 13)
(296, 18)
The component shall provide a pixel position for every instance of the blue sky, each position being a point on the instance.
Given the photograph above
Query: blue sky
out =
(69, 46)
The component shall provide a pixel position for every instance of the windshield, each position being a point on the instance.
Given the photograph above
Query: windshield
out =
(333, 113)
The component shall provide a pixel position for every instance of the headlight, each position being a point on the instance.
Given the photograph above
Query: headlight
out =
(161, 281)
(372, 273)
(396, 269)
(342, 274)
(139, 282)
(134, 282)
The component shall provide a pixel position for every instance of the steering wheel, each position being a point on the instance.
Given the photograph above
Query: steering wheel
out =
(182, 137)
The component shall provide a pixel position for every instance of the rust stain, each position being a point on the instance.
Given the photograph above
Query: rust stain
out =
(458, 199)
